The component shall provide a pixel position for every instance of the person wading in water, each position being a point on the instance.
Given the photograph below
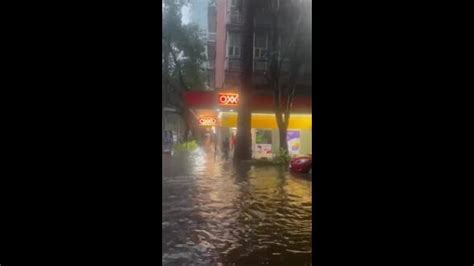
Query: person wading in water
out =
(225, 148)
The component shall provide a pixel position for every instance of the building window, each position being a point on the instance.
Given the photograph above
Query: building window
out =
(211, 52)
(261, 46)
(234, 5)
(280, 47)
(234, 45)
(211, 19)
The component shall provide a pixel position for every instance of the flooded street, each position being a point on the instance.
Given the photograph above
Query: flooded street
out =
(217, 212)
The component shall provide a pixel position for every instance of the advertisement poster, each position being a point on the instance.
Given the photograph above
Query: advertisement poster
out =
(263, 143)
(293, 139)
(263, 137)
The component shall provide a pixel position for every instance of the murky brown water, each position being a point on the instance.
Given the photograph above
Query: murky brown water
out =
(218, 213)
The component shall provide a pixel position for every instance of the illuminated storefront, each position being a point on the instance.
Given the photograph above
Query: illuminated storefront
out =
(219, 112)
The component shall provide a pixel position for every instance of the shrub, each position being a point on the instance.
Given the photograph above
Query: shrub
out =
(282, 157)
(186, 146)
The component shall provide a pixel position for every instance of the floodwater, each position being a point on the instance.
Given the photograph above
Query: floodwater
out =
(218, 212)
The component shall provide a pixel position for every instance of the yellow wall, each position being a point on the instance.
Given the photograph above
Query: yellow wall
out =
(297, 121)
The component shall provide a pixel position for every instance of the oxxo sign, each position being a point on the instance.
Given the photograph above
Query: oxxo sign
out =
(207, 121)
(228, 99)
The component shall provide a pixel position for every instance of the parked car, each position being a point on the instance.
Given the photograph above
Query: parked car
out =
(301, 164)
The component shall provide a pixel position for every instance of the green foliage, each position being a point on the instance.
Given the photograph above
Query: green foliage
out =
(282, 157)
(182, 48)
(263, 137)
(186, 146)
(263, 162)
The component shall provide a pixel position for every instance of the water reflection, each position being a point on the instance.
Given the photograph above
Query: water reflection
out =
(217, 211)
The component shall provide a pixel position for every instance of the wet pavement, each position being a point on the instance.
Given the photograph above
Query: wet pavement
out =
(217, 212)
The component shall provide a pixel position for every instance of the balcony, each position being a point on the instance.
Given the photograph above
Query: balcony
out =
(262, 21)
(285, 66)
(308, 68)
(233, 64)
(212, 36)
(234, 18)
(260, 65)
(211, 64)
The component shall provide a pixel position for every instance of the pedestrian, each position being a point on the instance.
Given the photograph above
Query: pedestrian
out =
(166, 142)
(233, 141)
(169, 137)
(225, 148)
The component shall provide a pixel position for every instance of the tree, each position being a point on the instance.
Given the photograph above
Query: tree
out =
(289, 44)
(243, 149)
(182, 58)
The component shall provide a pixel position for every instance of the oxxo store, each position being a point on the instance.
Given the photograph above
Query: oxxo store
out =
(217, 111)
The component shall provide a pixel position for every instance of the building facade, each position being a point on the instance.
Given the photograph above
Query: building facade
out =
(229, 25)
(217, 111)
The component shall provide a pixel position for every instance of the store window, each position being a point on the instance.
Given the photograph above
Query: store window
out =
(263, 143)
(293, 138)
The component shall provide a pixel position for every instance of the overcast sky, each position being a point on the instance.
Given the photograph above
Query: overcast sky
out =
(185, 14)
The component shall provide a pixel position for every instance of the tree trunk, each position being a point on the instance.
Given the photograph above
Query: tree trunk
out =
(277, 97)
(243, 149)
(283, 142)
(275, 79)
(283, 98)
(162, 129)
(187, 128)
(164, 93)
(186, 132)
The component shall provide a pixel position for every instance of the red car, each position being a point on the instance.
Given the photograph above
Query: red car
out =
(302, 164)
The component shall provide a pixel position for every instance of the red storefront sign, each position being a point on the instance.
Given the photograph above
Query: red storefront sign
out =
(259, 103)
(207, 121)
(228, 98)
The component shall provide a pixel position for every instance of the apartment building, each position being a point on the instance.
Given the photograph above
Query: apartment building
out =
(227, 62)
(216, 111)
(211, 42)
(202, 14)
